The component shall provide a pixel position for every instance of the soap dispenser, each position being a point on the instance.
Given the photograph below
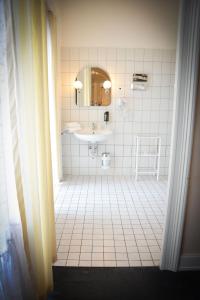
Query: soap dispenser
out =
(106, 116)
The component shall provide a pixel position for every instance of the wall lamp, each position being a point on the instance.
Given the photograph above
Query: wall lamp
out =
(107, 85)
(78, 85)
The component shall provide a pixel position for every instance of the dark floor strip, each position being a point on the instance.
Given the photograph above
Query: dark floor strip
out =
(83, 283)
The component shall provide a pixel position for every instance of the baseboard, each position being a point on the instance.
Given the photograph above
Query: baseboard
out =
(189, 262)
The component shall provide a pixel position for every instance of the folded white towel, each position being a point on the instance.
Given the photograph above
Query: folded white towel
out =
(71, 127)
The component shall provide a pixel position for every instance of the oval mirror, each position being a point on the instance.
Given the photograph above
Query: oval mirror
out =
(93, 87)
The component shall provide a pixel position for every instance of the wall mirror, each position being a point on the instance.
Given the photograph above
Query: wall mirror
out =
(92, 87)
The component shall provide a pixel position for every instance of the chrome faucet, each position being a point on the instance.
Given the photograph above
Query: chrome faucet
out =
(93, 127)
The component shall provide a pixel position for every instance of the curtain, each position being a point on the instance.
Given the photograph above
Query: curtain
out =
(15, 277)
(34, 131)
(30, 174)
(15, 280)
(55, 122)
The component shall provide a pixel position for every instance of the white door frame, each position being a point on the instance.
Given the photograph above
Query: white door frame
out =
(187, 63)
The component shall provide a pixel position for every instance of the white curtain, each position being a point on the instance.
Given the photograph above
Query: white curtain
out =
(27, 227)
(55, 122)
(15, 277)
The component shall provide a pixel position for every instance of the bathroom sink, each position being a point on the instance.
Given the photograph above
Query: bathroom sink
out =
(93, 136)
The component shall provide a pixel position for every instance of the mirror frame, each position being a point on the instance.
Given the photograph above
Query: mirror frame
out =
(78, 83)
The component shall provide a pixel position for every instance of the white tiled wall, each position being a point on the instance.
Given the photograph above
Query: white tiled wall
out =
(148, 112)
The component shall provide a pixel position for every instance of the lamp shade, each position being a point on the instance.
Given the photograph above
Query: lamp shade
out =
(107, 84)
(78, 85)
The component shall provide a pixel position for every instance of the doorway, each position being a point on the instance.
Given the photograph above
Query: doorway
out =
(106, 218)
(84, 115)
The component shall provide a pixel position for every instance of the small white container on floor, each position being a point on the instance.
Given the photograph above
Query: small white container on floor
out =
(105, 160)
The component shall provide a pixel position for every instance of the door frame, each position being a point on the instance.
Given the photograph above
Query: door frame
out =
(186, 81)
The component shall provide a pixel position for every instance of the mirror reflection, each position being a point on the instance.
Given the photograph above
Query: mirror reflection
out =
(93, 87)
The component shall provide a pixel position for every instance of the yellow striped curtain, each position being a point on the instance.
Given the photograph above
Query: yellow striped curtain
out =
(31, 143)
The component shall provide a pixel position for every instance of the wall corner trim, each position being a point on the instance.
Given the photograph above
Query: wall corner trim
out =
(187, 62)
(189, 262)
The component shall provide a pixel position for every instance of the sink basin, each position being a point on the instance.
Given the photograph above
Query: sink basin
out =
(93, 136)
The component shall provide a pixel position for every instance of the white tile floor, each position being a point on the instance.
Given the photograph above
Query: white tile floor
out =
(109, 221)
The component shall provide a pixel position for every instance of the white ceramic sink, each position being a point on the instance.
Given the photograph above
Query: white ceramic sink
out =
(93, 136)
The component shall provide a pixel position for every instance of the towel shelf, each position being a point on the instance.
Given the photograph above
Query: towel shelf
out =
(155, 142)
